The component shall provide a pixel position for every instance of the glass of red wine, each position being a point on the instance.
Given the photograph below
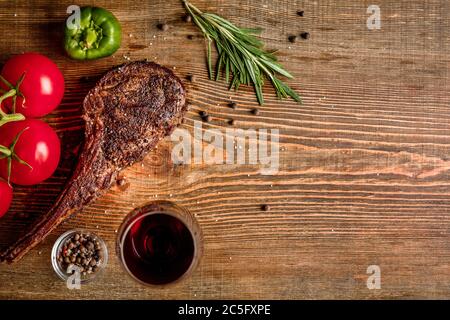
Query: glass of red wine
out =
(159, 243)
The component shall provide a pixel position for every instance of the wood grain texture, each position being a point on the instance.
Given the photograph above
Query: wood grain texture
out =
(364, 166)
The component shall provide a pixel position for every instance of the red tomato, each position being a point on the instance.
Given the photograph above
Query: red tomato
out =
(42, 87)
(38, 145)
(5, 197)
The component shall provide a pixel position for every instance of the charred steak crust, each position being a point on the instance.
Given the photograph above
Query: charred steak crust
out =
(127, 113)
(130, 126)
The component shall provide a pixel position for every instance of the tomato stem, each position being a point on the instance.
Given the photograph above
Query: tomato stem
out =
(16, 93)
(12, 92)
(4, 152)
(10, 155)
(5, 118)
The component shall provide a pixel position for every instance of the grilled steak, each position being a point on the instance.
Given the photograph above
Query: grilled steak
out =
(129, 110)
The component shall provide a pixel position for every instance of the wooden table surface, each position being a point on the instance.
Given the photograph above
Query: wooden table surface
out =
(364, 163)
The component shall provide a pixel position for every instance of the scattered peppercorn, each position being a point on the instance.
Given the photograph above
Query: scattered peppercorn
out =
(305, 35)
(301, 13)
(121, 181)
(163, 26)
(231, 122)
(255, 111)
(292, 38)
(205, 116)
(233, 105)
(265, 207)
(187, 18)
(190, 77)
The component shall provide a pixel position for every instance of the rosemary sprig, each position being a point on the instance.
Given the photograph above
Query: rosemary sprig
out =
(241, 55)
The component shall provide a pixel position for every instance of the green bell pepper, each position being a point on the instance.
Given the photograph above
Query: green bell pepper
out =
(98, 35)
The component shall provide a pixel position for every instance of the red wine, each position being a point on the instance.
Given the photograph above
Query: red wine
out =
(158, 249)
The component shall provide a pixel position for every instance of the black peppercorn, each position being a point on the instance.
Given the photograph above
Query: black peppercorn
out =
(90, 246)
(255, 111)
(121, 181)
(305, 35)
(163, 26)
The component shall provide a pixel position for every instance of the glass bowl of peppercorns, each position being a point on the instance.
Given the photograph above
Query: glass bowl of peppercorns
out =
(79, 252)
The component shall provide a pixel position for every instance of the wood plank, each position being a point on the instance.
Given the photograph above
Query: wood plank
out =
(364, 164)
